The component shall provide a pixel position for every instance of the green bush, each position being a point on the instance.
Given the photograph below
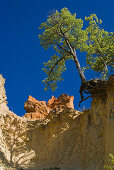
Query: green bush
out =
(111, 163)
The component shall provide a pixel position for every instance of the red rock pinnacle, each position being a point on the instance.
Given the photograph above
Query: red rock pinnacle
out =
(39, 110)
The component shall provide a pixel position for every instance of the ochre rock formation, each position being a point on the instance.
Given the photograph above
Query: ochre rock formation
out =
(68, 139)
(39, 110)
(35, 109)
(63, 100)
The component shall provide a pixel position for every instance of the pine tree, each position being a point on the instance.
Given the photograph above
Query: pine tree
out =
(65, 33)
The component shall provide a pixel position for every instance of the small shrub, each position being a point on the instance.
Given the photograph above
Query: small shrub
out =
(111, 163)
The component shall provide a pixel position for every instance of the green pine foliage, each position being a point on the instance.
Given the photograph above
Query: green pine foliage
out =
(99, 47)
(65, 33)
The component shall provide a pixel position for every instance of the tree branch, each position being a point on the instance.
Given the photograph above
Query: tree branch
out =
(55, 65)
(67, 41)
(58, 46)
(59, 34)
(73, 53)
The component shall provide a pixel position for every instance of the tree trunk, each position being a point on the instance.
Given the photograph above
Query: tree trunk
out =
(73, 53)
(81, 74)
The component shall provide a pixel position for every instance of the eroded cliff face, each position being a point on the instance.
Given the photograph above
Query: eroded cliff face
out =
(64, 138)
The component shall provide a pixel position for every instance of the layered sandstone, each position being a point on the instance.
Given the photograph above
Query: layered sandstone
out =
(68, 139)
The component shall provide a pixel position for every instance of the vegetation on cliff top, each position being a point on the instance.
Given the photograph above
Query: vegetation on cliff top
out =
(65, 33)
(111, 163)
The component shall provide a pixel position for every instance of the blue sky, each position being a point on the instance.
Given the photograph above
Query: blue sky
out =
(22, 57)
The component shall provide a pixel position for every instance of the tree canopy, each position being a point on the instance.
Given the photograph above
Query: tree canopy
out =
(66, 34)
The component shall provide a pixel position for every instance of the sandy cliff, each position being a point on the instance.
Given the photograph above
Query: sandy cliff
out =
(65, 138)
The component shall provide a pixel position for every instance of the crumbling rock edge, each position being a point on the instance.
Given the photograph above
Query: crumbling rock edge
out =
(66, 138)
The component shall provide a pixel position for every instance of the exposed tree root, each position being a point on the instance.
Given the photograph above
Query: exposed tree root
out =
(84, 99)
(93, 87)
